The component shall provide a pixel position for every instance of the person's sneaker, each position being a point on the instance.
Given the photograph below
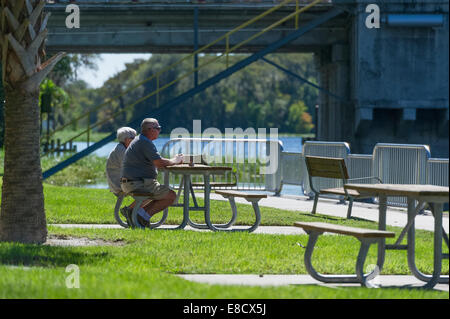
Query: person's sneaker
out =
(142, 221)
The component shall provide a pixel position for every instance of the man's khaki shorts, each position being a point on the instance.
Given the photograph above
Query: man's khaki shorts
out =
(148, 185)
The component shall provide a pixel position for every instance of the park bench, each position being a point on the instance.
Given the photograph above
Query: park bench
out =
(334, 168)
(117, 214)
(365, 236)
(132, 220)
(250, 197)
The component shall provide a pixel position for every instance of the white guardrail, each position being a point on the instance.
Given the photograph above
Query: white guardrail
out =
(392, 163)
(248, 157)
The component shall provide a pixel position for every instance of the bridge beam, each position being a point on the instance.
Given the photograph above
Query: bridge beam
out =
(169, 28)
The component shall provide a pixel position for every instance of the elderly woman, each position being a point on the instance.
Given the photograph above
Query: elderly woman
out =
(114, 163)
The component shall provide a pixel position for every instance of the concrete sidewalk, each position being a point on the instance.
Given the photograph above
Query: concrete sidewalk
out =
(383, 281)
(395, 216)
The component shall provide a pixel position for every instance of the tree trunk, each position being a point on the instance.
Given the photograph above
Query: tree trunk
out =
(22, 39)
(22, 217)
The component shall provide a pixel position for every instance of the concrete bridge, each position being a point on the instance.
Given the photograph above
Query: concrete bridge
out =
(168, 27)
(392, 80)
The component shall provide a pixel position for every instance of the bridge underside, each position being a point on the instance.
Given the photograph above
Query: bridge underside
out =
(169, 28)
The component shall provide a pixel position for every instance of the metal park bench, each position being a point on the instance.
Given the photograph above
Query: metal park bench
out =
(117, 214)
(250, 197)
(133, 222)
(365, 236)
(329, 167)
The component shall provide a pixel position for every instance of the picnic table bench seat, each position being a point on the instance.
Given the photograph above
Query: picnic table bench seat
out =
(140, 197)
(365, 236)
(253, 198)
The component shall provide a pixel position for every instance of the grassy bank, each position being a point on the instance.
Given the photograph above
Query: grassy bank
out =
(88, 170)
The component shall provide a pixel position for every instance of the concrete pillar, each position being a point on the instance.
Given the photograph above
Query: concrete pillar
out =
(399, 79)
(332, 64)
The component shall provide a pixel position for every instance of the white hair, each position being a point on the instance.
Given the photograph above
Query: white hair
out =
(148, 123)
(125, 132)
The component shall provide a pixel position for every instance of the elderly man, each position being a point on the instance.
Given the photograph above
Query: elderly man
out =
(139, 171)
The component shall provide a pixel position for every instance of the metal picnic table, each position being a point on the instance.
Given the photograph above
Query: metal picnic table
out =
(197, 169)
(435, 196)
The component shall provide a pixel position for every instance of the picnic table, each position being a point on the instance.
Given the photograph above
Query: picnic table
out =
(435, 196)
(197, 169)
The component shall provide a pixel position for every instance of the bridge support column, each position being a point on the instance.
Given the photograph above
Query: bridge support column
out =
(395, 78)
(333, 66)
(399, 78)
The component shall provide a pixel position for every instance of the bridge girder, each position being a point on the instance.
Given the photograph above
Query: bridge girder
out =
(169, 28)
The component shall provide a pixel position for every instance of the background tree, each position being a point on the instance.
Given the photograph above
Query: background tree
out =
(258, 96)
(22, 34)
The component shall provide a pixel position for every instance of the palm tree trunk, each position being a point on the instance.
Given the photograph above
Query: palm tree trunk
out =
(22, 39)
(23, 216)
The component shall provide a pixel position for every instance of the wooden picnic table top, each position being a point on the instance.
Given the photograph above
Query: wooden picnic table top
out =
(412, 190)
(197, 168)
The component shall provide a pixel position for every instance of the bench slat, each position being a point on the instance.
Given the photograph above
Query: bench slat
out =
(340, 191)
(345, 230)
(239, 194)
(213, 184)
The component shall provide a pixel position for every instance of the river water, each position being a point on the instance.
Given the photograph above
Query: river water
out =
(290, 144)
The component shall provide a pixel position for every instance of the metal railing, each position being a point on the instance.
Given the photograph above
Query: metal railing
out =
(160, 75)
(360, 165)
(393, 163)
(437, 171)
(400, 164)
(248, 157)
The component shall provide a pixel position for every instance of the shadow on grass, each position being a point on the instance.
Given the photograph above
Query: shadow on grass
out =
(362, 220)
(47, 256)
(320, 217)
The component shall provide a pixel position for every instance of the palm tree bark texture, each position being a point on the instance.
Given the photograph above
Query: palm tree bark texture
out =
(22, 39)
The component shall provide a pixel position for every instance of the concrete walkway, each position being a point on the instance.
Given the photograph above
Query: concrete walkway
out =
(395, 216)
(383, 281)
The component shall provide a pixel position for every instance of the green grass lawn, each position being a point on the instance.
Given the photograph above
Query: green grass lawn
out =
(145, 263)
(145, 266)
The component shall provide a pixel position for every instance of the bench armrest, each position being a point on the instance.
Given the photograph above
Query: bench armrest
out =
(369, 177)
